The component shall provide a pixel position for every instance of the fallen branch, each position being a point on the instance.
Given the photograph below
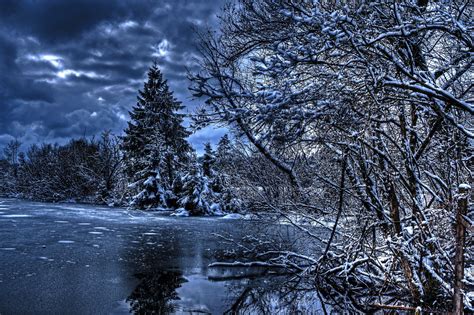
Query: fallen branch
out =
(248, 264)
(399, 307)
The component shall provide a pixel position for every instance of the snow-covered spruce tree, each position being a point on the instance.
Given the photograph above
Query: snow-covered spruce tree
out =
(204, 191)
(224, 155)
(222, 195)
(226, 170)
(225, 197)
(196, 194)
(208, 160)
(154, 145)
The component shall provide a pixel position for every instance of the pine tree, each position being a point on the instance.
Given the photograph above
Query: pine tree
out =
(224, 194)
(222, 183)
(208, 160)
(223, 160)
(224, 147)
(196, 193)
(154, 145)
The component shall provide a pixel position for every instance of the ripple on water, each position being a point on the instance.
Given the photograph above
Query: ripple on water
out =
(66, 242)
(16, 216)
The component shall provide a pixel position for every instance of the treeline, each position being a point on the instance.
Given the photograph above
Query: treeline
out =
(88, 170)
(94, 171)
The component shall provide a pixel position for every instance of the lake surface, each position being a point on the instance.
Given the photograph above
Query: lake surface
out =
(82, 259)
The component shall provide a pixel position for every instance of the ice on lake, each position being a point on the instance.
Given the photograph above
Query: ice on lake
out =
(16, 216)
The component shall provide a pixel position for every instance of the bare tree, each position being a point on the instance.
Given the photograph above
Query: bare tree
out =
(381, 91)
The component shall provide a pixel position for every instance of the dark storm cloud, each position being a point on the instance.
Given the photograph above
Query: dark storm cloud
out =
(59, 20)
(72, 68)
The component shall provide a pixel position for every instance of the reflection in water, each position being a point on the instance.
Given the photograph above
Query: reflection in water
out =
(277, 295)
(174, 277)
(160, 293)
(156, 292)
(284, 294)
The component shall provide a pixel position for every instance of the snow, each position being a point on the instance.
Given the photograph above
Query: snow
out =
(180, 212)
(233, 216)
(470, 300)
(149, 181)
(465, 186)
(246, 264)
(161, 209)
(215, 209)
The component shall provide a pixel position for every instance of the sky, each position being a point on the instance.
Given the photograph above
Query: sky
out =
(72, 68)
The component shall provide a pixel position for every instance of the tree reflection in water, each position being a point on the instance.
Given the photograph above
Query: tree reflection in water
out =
(156, 292)
(289, 295)
(277, 294)
(249, 290)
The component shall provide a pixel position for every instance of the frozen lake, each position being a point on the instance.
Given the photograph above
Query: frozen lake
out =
(81, 259)
(63, 258)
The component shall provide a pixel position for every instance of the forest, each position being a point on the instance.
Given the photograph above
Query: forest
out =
(349, 117)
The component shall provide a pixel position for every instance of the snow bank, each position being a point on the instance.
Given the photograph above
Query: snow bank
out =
(233, 216)
(180, 212)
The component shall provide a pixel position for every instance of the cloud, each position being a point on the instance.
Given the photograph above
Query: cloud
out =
(73, 68)
(208, 134)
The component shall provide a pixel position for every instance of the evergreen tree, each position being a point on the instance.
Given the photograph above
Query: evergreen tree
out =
(154, 145)
(223, 161)
(224, 184)
(196, 194)
(208, 160)
(224, 147)
(224, 194)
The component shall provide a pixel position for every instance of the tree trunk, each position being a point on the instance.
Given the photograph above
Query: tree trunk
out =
(458, 303)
